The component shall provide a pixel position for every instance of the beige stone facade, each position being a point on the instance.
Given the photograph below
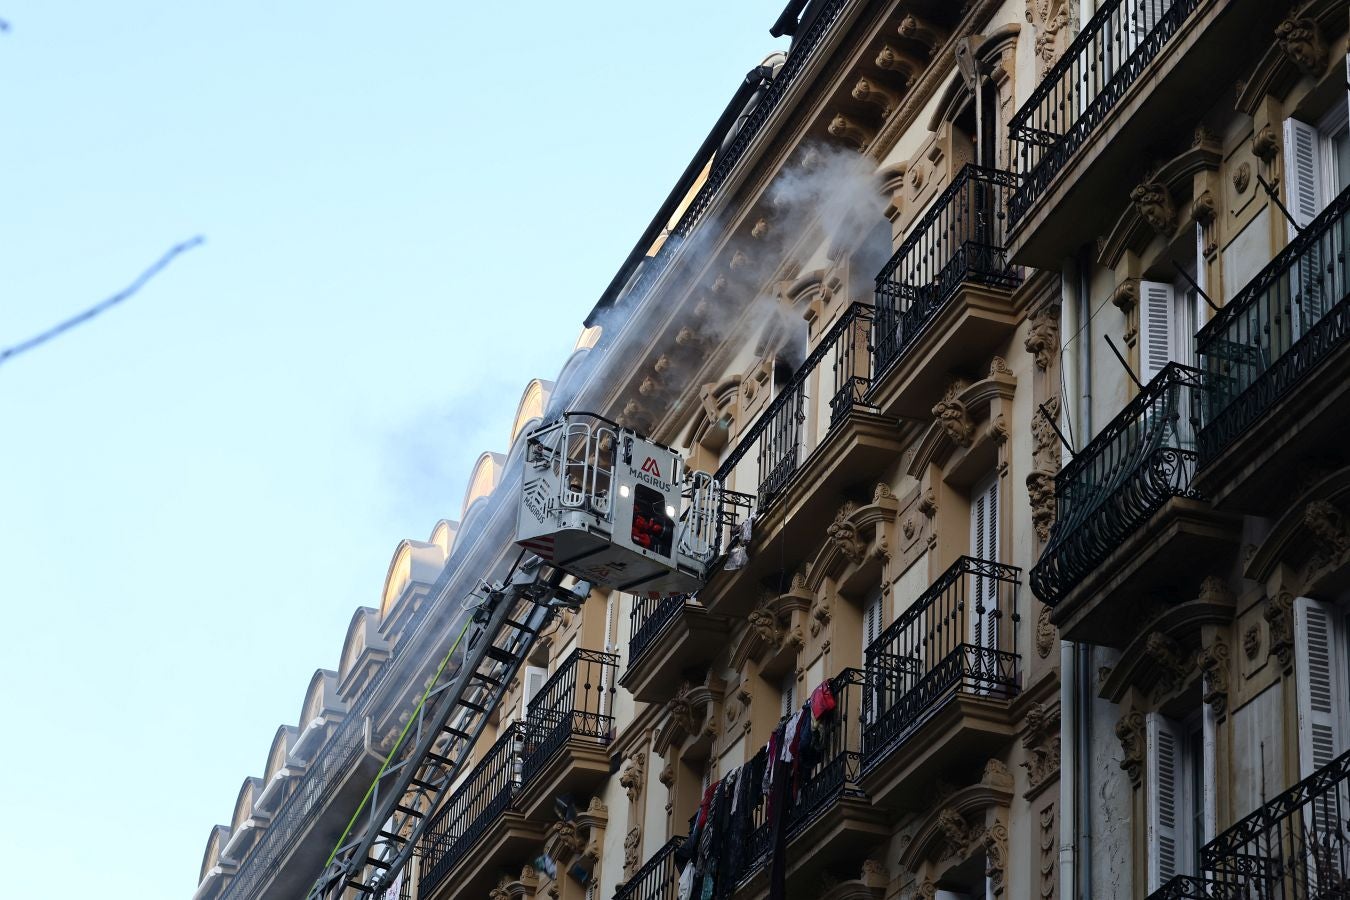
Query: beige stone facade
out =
(1029, 398)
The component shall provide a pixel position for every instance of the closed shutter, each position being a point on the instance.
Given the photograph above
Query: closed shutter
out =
(872, 626)
(609, 648)
(984, 545)
(1317, 655)
(1155, 328)
(1305, 192)
(1165, 786)
(534, 676)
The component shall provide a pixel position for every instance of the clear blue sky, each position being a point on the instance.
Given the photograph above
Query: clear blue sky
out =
(408, 207)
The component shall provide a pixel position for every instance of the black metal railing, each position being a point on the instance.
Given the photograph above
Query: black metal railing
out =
(1279, 327)
(1295, 847)
(1075, 97)
(576, 702)
(958, 637)
(484, 795)
(649, 617)
(829, 775)
(779, 436)
(960, 239)
(658, 879)
(1143, 458)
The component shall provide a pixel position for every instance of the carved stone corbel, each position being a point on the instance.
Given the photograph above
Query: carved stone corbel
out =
(893, 60)
(1174, 665)
(844, 535)
(1126, 299)
(952, 415)
(996, 854)
(1051, 19)
(1301, 40)
(850, 131)
(868, 90)
(1130, 733)
(1213, 661)
(930, 34)
(1041, 742)
(633, 776)
(1153, 201)
(1279, 614)
(1042, 340)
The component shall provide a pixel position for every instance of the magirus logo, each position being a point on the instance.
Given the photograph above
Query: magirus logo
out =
(651, 468)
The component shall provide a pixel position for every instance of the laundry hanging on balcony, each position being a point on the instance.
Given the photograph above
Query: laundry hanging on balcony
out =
(743, 818)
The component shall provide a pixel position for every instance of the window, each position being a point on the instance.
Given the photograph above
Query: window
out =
(534, 679)
(1317, 168)
(1321, 659)
(871, 632)
(1176, 796)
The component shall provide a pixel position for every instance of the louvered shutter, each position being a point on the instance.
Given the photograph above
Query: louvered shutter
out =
(1318, 655)
(984, 544)
(1304, 193)
(788, 691)
(1155, 328)
(1165, 786)
(609, 648)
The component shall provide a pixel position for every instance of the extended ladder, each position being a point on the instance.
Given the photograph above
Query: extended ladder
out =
(436, 744)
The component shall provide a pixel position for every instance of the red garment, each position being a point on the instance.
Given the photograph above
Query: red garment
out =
(822, 700)
(707, 801)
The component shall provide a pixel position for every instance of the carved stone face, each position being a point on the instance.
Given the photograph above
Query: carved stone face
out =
(1301, 42)
(1154, 206)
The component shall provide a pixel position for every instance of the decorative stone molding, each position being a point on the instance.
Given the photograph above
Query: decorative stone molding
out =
(1130, 733)
(868, 90)
(931, 35)
(579, 843)
(633, 776)
(1044, 466)
(1213, 661)
(1330, 535)
(1205, 212)
(1048, 852)
(1051, 20)
(1251, 641)
(958, 833)
(1266, 144)
(1126, 299)
(850, 131)
(844, 535)
(1242, 177)
(953, 416)
(1173, 665)
(999, 366)
(1214, 589)
(997, 775)
(996, 854)
(632, 851)
(1042, 339)
(928, 503)
(1153, 202)
(1301, 40)
(667, 775)
(1279, 615)
(1041, 742)
(1047, 635)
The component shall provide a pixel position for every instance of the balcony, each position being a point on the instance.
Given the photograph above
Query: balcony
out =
(1294, 847)
(832, 822)
(658, 879)
(1136, 69)
(669, 635)
(479, 817)
(940, 677)
(819, 436)
(566, 733)
(1128, 517)
(1277, 369)
(951, 278)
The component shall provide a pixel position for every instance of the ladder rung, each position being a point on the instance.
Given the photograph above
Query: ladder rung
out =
(443, 760)
(424, 785)
(500, 655)
(389, 835)
(478, 708)
(363, 888)
(455, 732)
(488, 679)
(408, 810)
(519, 626)
(377, 863)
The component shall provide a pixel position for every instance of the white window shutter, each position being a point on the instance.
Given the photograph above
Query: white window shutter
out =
(1165, 786)
(1303, 176)
(1155, 328)
(1318, 656)
(534, 678)
(871, 621)
(984, 544)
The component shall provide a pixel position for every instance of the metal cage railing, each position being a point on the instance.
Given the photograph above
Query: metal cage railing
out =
(658, 879)
(958, 636)
(576, 702)
(1144, 457)
(1276, 330)
(1108, 56)
(960, 239)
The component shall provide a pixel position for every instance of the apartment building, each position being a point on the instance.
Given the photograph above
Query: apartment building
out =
(1014, 333)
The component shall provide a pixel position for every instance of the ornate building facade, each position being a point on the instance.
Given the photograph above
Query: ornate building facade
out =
(1017, 332)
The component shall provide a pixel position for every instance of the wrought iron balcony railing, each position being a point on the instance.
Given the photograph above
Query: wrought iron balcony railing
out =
(1295, 847)
(484, 795)
(778, 436)
(958, 637)
(576, 702)
(828, 777)
(1275, 332)
(1075, 97)
(1143, 458)
(649, 617)
(658, 879)
(960, 239)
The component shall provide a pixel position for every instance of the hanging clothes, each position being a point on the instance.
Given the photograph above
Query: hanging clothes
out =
(822, 700)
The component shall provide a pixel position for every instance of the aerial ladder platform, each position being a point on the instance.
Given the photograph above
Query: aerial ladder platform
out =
(598, 502)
